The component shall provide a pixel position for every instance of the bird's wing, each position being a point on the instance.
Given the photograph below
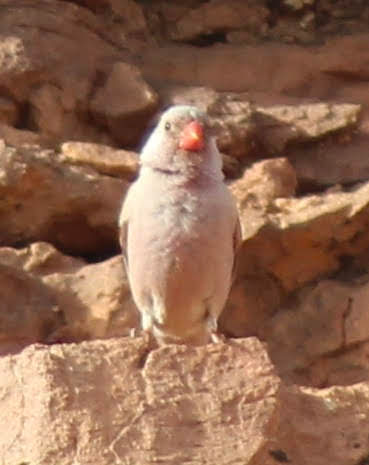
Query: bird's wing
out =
(123, 233)
(124, 218)
(237, 241)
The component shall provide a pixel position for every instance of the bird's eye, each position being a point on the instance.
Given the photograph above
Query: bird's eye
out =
(167, 126)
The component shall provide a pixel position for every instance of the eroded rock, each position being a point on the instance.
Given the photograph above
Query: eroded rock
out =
(171, 404)
(312, 326)
(285, 124)
(73, 207)
(266, 181)
(344, 368)
(249, 130)
(19, 137)
(253, 300)
(216, 16)
(116, 399)
(28, 311)
(298, 4)
(102, 158)
(95, 300)
(324, 425)
(49, 297)
(9, 112)
(320, 337)
(125, 103)
(297, 240)
(288, 243)
(48, 76)
(341, 160)
(39, 259)
(303, 72)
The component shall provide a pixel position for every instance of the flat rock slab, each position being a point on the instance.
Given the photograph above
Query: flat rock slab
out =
(119, 401)
(114, 401)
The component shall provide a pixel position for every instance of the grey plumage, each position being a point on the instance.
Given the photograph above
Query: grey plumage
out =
(179, 231)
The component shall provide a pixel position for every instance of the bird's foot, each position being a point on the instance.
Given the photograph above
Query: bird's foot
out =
(217, 338)
(212, 325)
(149, 339)
(133, 332)
(146, 334)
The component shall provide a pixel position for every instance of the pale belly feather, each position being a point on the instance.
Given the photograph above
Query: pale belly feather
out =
(182, 260)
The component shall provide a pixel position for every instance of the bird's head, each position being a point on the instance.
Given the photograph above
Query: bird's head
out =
(182, 143)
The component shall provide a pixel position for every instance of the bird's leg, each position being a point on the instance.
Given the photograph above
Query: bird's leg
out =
(133, 332)
(147, 325)
(217, 338)
(212, 325)
(147, 322)
(149, 338)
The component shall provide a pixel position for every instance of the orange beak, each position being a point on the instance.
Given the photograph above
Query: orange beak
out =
(192, 137)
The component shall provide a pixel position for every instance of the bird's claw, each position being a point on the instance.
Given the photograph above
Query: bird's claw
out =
(217, 338)
(133, 332)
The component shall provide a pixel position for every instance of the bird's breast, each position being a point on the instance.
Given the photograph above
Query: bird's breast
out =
(179, 222)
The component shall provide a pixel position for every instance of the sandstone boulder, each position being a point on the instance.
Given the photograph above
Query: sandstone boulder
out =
(343, 368)
(323, 425)
(126, 16)
(20, 137)
(264, 182)
(247, 130)
(124, 104)
(216, 16)
(290, 242)
(55, 58)
(313, 326)
(300, 77)
(111, 401)
(339, 160)
(282, 125)
(319, 71)
(117, 400)
(297, 240)
(29, 312)
(49, 297)
(9, 112)
(95, 301)
(73, 207)
(102, 158)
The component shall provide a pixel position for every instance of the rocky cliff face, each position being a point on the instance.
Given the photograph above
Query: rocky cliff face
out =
(285, 84)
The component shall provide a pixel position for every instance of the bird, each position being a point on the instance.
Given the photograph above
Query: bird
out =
(180, 231)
